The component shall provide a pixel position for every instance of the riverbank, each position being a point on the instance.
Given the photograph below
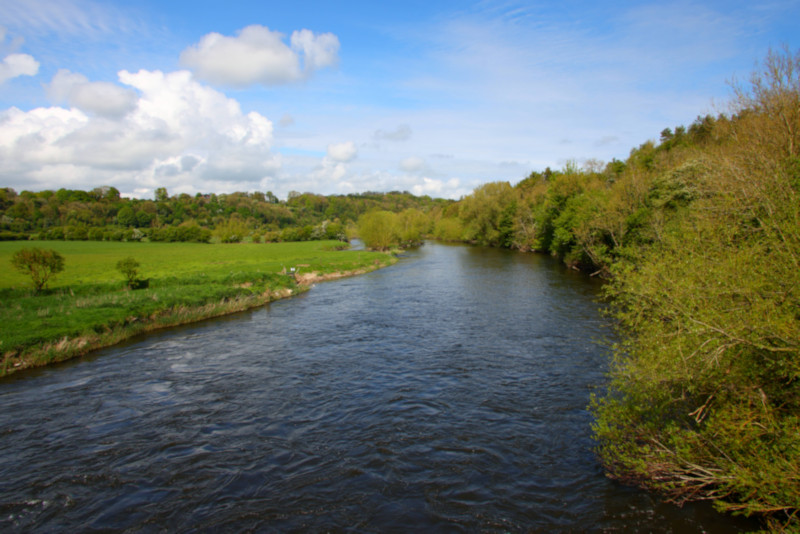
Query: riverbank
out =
(418, 392)
(74, 317)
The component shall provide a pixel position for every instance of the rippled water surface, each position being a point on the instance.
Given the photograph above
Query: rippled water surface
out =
(445, 393)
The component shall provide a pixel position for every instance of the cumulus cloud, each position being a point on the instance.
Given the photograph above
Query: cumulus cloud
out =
(432, 187)
(100, 98)
(258, 55)
(319, 51)
(176, 133)
(15, 65)
(401, 133)
(342, 152)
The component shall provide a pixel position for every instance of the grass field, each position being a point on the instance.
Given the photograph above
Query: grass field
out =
(88, 305)
(92, 262)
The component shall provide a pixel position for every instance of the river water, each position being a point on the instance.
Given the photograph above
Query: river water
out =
(446, 393)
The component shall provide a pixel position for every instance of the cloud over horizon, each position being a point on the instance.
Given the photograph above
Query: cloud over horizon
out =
(175, 132)
(342, 152)
(258, 55)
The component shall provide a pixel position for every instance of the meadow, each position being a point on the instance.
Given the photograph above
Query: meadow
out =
(88, 305)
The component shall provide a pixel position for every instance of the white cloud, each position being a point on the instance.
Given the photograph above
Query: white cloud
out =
(319, 51)
(100, 98)
(432, 187)
(342, 152)
(14, 65)
(177, 133)
(258, 55)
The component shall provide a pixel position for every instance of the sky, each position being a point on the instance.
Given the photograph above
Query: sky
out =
(432, 97)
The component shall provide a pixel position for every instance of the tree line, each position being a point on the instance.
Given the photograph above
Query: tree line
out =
(103, 215)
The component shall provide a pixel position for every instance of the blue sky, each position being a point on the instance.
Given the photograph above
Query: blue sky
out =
(432, 97)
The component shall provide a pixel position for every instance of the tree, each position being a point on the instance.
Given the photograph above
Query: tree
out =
(126, 217)
(377, 229)
(129, 268)
(232, 230)
(483, 211)
(412, 224)
(39, 263)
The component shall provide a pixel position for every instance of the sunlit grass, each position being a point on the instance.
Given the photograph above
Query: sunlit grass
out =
(92, 262)
(90, 301)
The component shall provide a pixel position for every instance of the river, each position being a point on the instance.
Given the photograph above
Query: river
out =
(446, 393)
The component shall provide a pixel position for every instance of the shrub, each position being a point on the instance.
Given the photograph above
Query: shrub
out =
(39, 263)
(129, 268)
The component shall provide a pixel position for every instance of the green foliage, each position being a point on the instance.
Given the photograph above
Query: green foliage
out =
(487, 214)
(448, 229)
(378, 230)
(129, 268)
(185, 233)
(102, 214)
(704, 399)
(412, 225)
(232, 230)
(126, 216)
(40, 264)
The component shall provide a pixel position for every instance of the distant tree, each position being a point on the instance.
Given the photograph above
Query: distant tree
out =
(95, 234)
(412, 225)
(232, 230)
(111, 193)
(126, 217)
(593, 166)
(40, 264)
(143, 219)
(161, 194)
(485, 213)
(378, 229)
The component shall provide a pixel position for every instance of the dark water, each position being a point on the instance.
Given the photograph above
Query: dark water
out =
(445, 393)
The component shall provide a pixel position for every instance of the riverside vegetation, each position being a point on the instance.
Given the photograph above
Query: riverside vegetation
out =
(698, 235)
(91, 304)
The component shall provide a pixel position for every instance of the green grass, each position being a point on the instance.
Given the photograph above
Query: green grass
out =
(88, 305)
(92, 262)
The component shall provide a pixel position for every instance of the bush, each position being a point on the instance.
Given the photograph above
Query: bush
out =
(12, 236)
(95, 234)
(129, 268)
(39, 263)
(55, 234)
